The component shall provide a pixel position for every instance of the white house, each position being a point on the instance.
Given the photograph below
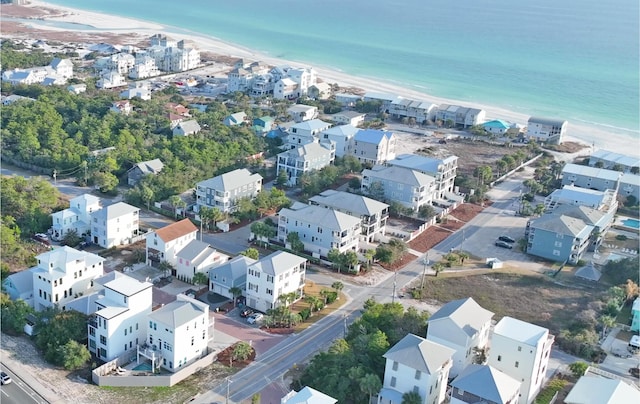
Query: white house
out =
(372, 146)
(462, 325)
(275, 275)
(140, 92)
(341, 135)
(111, 79)
(77, 88)
(418, 365)
(238, 118)
(165, 243)
(62, 67)
(302, 112)
(19, 285)
(231, 274)
(118, 324)
(443, 170)
(197, 257)
(373, 214)
(63, 274)
(546, 130)
(309, 157)
(409, 187)
(222, 192)
(420, 111)
(115, 225)
(307, 128)
(593, 389)
(348, 117)
(178, 334)
(521, 350)
(186, 128)
(320, 229)
(320, 91)
(121, 107)
(307, 395)
(287, 89)
(75, 218)
(484, 384)
(347, 100)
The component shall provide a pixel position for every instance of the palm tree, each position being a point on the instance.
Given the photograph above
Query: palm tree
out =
(204, 212)
(200, 278)
(235, 292)
(338, 286)
(313, 302)
(174, 201)
(607, 322)
(369, 384)
(411, 397)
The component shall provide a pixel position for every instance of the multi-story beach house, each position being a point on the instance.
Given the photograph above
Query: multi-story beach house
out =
(462, 325)
(309, 157)
(142, 169)
(277, 274)
(597, 389)
(115, 225)
(118, 324)
(286, 89)
(144, 67)
(223, 191)
(62, 275)
(410, 188)
(231, 274)
(384, 99)
(242, 76)
(419, 111)
(417, 365)
(178, 334)
(604, 201)
(599, 179)
(373, 214)
(546, 130)
(172, 56)
(320, 91)
(110, 79)
(484, 384)
(521, 350)
(305, 132)
(341, 135)
(567, 232)
(62, 67)
(348, 117)
(457, 115)
(197, 257)
(372, 146)
(614, 161)
(75, 218)
(165, 243)
(347, 100)
(320, 229)
(442, 170)
(630, 186)
(302, 112)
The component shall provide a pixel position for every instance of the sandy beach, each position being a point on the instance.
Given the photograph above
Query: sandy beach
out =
(109, 24)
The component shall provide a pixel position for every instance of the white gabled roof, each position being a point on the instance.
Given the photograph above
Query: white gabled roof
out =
(419, 354)
(400, 175)
(278, 262)
(231, 180)
(307, 396)
(600, 390)
(345, 201)
(593, 172)
(521, 331)
(327, 218)
(468, 315)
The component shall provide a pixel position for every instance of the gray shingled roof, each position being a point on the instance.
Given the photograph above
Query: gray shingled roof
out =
(487, 383)
(327, 218)
(345, 201)
(309, 151)
(546, 121)
(151, 166)
(196, 251)
(400, 174)
(560, 224)
(232, 270)
(468, 315)
(419, 354)
(420, 163)
(177, 313)
(278, 262)
(231, 180)
(190, 126)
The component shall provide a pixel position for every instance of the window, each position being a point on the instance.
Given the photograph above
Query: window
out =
(125, 347)
(517, 363)
(103, 340)
(125, 331)
(393, 382)
(416, 389)
(499, 358)
(519, 348)
(395, 365)
(417, 375)
(192, 340)
(203, 334)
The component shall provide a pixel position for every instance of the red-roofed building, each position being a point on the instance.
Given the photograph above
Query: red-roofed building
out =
(177, 109)
(165, 243)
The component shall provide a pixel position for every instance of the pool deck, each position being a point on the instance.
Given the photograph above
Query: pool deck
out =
(620, 225)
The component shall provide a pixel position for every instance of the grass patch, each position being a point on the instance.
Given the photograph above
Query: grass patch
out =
(625, 316)
(546, 395)
(314, 289)
(625, 335)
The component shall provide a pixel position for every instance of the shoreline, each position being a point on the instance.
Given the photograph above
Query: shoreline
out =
(589, 135)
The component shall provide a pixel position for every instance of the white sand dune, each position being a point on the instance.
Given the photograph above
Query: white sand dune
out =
(613, 140)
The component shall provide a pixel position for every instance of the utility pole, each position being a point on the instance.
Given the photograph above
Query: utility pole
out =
(85, 165)
(395, 277)
(425, 261)
(55, 174)
(228, 383)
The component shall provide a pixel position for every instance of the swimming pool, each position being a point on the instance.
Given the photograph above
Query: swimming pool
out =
(616, 257)
(146, 366)
(635, 223)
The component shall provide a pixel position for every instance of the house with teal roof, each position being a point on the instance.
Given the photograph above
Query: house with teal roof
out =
(496, 127)
(263, 125)
(635, 315)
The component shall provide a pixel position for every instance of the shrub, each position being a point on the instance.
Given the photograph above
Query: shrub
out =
(305, 314)
(331, 297)
(621, 237)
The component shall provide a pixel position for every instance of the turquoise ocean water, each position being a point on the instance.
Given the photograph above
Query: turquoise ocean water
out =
(571, 59)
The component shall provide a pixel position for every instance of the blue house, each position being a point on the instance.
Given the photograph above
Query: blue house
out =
(635, 315)
(263, 125)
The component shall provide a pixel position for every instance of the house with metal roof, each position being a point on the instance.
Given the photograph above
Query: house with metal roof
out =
(119, 320)
(308, 128)
(484, 384)
(419, 365)
(77, 217)
(594, 389)
(222, 192)
(347, 100)
(341, 135)
(230, 274)
(143, 168)
(611, 160)
(308, 157)
(373, 214)
(307, 395)
(457, 115)
(567, 232)
(349, 117)
(408, 187)
(630, 185)
(462, 325)
(444, 170)
(164, 243)
(373, 146)
(320, 91)
(19, 285)
(238, 118)
(320, 229)
(115, 225)
(419, 111)
(572, 195)
(277, 274)
(521, 350)
(263, 124)
(546, 130)
(197, 257)
(302, 112)
(496, 127)
(178, 334)
(599, 179)
(186, 128)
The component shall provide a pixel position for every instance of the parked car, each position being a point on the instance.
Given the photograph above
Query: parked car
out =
(246, 312)
(635, 372)
(42, 238)
(503, 244)
(507, 239)
(5, 378)
(254, 318)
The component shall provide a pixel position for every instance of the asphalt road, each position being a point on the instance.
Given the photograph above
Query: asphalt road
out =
(18, 392)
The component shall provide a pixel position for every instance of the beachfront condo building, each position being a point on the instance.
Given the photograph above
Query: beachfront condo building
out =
(456, 115)
(599, 179)
(614, 161)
